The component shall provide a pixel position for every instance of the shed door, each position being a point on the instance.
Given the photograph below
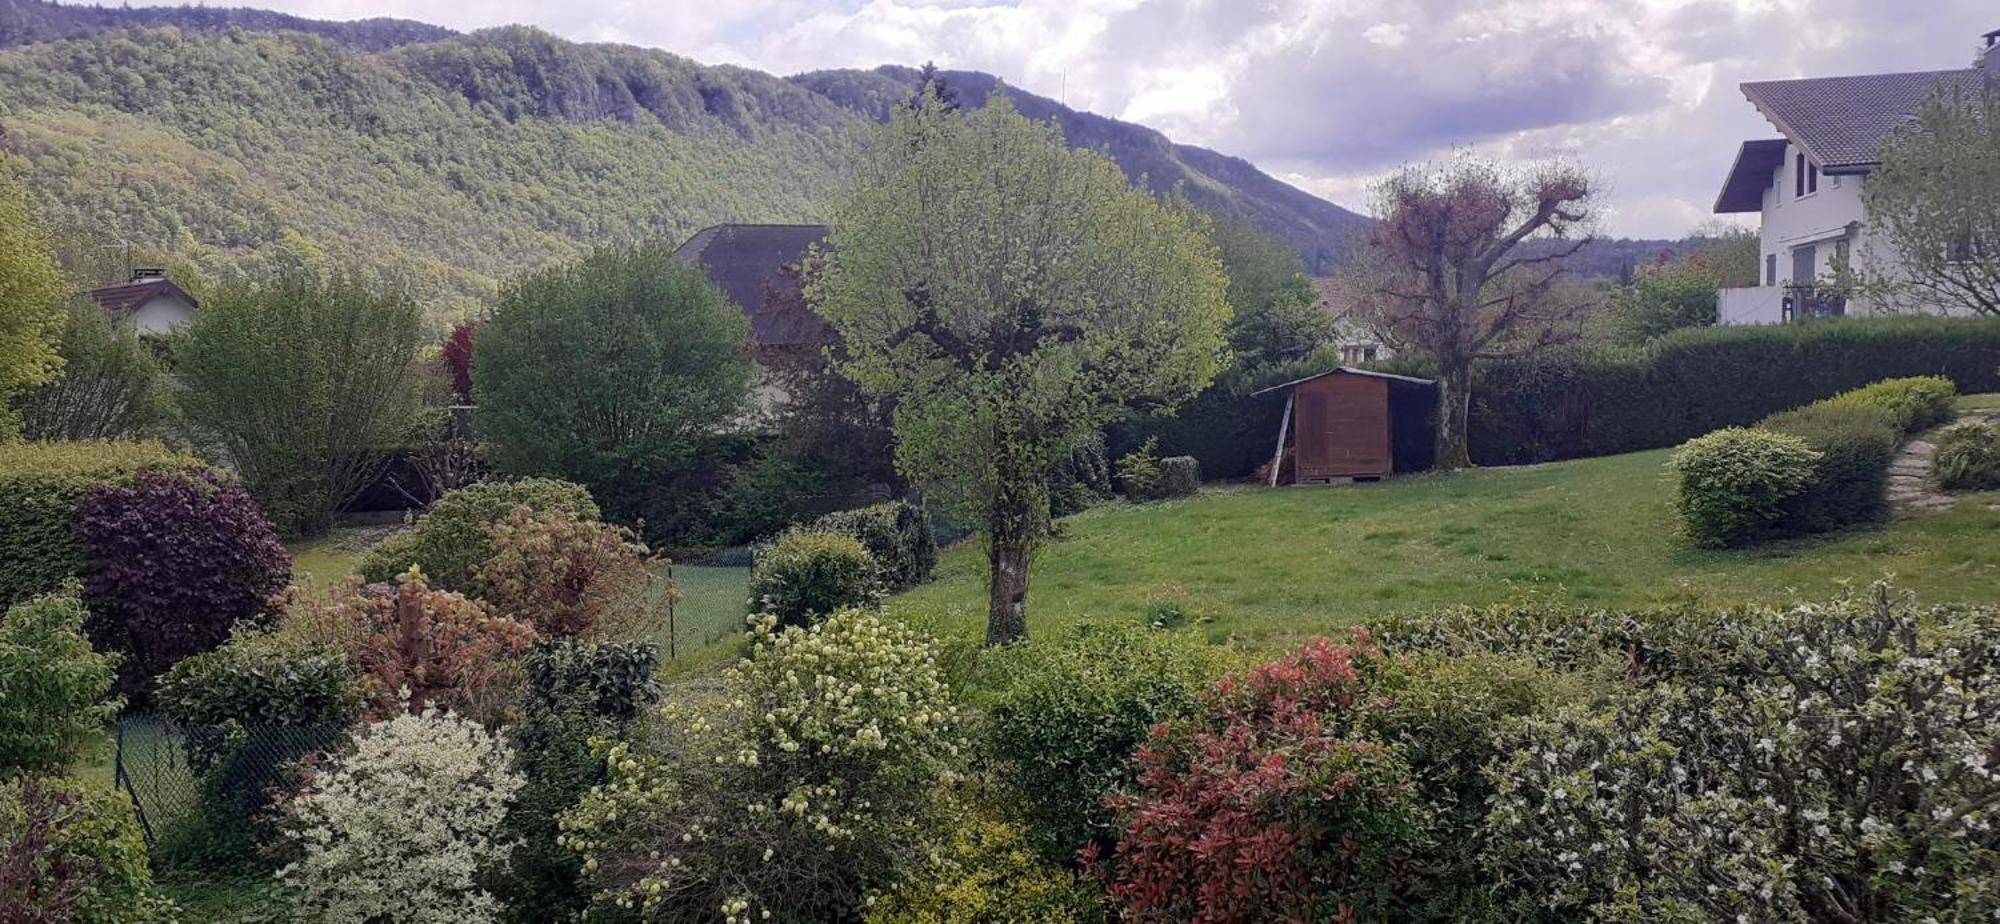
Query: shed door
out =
(1343, 427)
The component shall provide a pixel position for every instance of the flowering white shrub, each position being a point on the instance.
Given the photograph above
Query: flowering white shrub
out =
(1845, 770)
(807, 780)
(398, 830)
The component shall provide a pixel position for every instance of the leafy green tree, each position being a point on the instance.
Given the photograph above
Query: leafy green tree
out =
(1275, 314)
(1735, 254)
(1013, 296)
(31, 301)
(1936, 201)
(1666, 297)
(301, 381)
(111, 387)
(613, 371)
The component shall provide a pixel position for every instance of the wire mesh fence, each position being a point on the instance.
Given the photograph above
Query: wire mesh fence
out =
(184, 778)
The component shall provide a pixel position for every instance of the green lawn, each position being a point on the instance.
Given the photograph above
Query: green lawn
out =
(1266, 565)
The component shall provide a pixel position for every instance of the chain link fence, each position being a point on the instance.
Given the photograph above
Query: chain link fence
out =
(212, 778)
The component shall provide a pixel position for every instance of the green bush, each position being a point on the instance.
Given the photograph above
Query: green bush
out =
(1913, 404)
(1139, 470)
(1968, 457)
(1732, 486)
(896, 534)
(1081, 479)
(1855, 441)
(111, 386)
(53, 687)
(807, 574)
(454, 538)
(1072, 710)
(984, 870)
(40, 487)
(264, 678)
(72, 852)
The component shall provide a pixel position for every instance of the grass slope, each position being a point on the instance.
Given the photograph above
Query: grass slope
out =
(1270, 565)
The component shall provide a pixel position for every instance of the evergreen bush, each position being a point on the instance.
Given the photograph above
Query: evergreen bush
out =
(896, 534)
(40, 486)
(1732, 486)
(1968, 457)
(454, 537)
(807, 574)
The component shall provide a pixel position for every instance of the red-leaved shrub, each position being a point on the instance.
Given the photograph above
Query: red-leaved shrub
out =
(1266, 807)
(172, 561)
(456, 354)
(568, 576)
(439, 647)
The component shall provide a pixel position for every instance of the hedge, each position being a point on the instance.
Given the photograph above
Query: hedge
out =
(40, 486)
(455, 537)
(1579, 403)
(896, 534)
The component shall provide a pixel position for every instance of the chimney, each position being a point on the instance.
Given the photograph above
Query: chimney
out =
(148, 274)
(1989, 56)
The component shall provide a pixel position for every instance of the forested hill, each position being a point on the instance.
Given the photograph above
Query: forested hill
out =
(460, 160)
(25, 21)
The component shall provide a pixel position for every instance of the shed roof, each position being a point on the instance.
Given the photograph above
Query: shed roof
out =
(743, 260)
(128, 297)
(1841, 122)
(1750, 176)
(1342, 370)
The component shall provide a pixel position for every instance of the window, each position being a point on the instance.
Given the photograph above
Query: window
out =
(1770, 269)
(1805, 177)
(1812, 179)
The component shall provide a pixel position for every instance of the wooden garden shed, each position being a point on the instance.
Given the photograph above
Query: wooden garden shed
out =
(1352, 424)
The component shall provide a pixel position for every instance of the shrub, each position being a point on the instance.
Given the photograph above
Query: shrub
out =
(1139, 469)
(400, 829)
(1180, 476)
(1665, 297)
(1968, 457)
(111, 386)
(1912, 404)
(1855, 442)
(31, 300)
(807, 574)
(1073, 709)
(1081, 479)
(1732, 485)
(265, 678)
(418, 647)
(985, 871)
(806, 782)
(1295, 817)
(72, 851)
(896, 534)
(173, 561)
(568, 576)
(52, 686)
(1846, 777)
(40, 485)
(454, 538)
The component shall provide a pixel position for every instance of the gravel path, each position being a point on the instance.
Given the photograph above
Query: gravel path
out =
(1910, 486)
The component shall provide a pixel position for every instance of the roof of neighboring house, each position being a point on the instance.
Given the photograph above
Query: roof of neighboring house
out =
(1750, 175)
(127, 298)
(743, 259)
(1342, 370)
(1841, 122)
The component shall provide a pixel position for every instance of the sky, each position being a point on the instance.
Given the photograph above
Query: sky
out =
(1330, 95)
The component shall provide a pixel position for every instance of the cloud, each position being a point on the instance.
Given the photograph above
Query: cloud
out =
(1329, 94)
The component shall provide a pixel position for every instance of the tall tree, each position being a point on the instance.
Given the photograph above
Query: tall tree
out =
(1936, 201)
(1444, 271)
(1012, 295)
(302, 380)
(111, 387)
(1275, 313)
(31, 301)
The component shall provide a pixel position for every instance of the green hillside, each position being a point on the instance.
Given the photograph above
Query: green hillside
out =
(217, 136)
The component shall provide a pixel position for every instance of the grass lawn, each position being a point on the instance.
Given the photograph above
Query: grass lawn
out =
(1268, 565)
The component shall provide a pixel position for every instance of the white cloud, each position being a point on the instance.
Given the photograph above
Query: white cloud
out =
(1328, 94)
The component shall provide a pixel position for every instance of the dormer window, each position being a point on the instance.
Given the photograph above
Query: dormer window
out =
(1805, 177)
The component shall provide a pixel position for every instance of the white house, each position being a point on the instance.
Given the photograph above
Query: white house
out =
(151, 302)
(1806, 184)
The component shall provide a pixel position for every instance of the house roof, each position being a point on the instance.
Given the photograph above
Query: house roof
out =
(127, 298)
(743, 260)
(1750, 175)
(1342, 370)
(1841, 122)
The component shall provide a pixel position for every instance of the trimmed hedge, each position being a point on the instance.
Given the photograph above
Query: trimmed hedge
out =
(808, 575)
(455, 537)
(1855, 443)
(1732, 485)
(40, 487)
(1912, 404)
(1575, 403)
(896, 534)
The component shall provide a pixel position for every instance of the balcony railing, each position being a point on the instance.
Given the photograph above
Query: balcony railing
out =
(1806, 302)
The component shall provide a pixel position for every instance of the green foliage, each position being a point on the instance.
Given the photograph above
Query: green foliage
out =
(1666, 297)
(1855, 442)
(1731, 486)
(40, 486)
(807, 574)
(53, 687)
(1968, 457)
(652, 363)
(453, 539)
(1275, 315)
(994, 383)
(1072, 710)
(1935, 200)
(264, 678)
(31, 300)
(73, 851)
(1078, 482)
(1912, 404)
(1139, 470)
(303, 379)
(111, 387)
(984, 870)
(804, 782)
(895, 534)
(568, 576)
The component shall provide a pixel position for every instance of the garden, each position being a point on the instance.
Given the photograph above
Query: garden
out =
(645, 651)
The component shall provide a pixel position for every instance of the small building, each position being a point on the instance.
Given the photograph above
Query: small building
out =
(151, 302)
(750, 263)
(1355, 425)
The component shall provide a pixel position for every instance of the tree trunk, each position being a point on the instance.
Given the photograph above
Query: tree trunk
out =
(1454, 407)
(1010, 535)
